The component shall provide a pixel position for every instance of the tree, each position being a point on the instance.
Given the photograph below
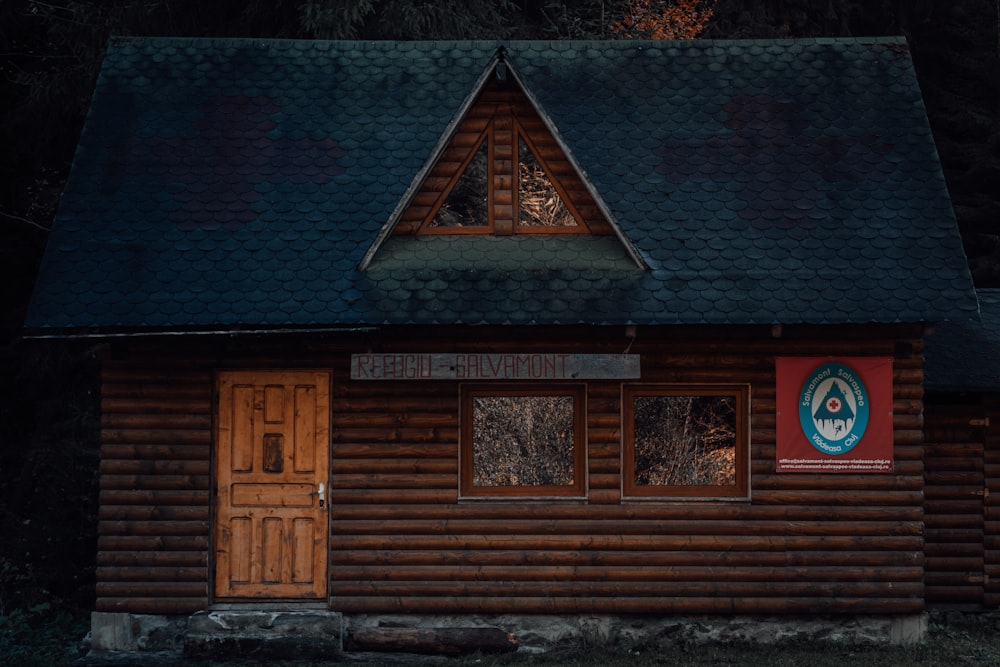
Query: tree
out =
(659, 19)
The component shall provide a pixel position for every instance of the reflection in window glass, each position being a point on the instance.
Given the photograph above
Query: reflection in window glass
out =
(466, 205)
(523, 441)
(540, 203)
(685, 440)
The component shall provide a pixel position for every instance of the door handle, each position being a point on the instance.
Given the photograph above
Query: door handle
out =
(321, 492)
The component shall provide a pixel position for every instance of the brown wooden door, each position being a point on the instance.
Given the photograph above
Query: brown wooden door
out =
(271, 472)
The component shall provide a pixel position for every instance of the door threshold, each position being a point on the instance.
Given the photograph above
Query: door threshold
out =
(270, 605)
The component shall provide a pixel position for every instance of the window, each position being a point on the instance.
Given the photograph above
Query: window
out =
(686, 441)
(523, 441)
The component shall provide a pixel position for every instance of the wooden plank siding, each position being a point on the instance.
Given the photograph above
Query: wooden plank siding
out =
(401, 540)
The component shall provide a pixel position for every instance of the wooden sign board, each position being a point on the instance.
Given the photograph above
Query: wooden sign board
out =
(505, 366)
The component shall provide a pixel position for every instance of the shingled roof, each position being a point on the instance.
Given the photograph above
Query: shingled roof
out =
(965, 355)
(230, 184)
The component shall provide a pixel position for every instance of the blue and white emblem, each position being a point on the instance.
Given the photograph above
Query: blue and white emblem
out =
(833, 408)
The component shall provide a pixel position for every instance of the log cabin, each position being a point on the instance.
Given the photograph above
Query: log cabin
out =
(487, 330)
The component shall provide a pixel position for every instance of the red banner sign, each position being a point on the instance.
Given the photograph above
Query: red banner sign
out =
(834, 414)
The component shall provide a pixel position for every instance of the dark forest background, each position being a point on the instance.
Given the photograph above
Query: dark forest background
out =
(50, 53)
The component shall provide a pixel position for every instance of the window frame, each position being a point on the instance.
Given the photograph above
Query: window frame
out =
(738, 491)
(468, 394)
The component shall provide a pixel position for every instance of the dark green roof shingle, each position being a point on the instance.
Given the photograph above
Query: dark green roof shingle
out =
(239, 183)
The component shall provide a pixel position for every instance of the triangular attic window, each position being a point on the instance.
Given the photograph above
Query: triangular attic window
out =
(502, 173)
(539, 204)
(467, 203)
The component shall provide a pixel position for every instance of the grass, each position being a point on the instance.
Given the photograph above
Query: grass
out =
(40, 637)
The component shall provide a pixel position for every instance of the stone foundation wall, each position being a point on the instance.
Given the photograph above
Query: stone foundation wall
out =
(323, 634)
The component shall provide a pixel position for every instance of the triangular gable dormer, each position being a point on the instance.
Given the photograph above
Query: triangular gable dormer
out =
(502, 171)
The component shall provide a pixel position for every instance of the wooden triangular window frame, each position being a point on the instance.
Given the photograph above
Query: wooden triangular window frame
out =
(502, 117)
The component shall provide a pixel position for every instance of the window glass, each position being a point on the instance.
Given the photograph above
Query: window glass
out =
(467, 203)
(685, 441)
(521, 441)
(540, 203)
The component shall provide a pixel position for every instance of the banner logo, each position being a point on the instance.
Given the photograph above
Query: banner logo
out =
(833, 408)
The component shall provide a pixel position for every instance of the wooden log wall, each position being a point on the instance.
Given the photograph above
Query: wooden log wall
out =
(954, 533)
(991, 502)
(402, 541)
(153, 531)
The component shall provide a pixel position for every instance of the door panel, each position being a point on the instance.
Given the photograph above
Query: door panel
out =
(271, 468)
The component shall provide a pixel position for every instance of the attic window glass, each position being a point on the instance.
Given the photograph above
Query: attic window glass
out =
(539, 202)
(467, 203)
(687, 441)
(519, 441)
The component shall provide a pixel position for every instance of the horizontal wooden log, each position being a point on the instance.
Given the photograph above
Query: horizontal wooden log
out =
(962, 451)
(955, 478)
(151, 589)
(431, 641)
(162, 543)
(156, 605)
(155, 452)
(154, 559)
(629, 605)
(957, 578)
(136, 388)
(967, 521)
(838, 498)
(954, 535)
(395, 466)
(183, 467)
(952, 491)
(158, 421)
(598, 497)
(154, 497)
(676, 511)
(378, 496)
(599, 481)
(420, 450)
(661, 528)
(117, 436)
(154, 482)
(394, 419)
(151, 574)
(610, 449)
(907, 421)
(964, 506)
(400, 435)
(152, 528)
(841, 481)
(635, 572)
(375, 401)
(868, 562)
(907, 436)
(643, 589)
(423, 481)
(963, 549)
(153, 513)
(200, 403)
(603, 466)
(629, 542)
